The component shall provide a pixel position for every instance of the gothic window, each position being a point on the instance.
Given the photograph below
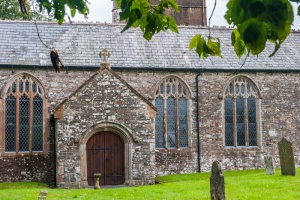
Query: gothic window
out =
(24, 104)
(241, 113)
(171, 123)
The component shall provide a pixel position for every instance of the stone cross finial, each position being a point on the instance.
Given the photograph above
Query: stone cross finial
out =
(105, 54)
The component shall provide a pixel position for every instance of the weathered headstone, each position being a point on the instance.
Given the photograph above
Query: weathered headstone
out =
(217, 187)
(96, 179)
(286, 156)
(269, 165)
(43, 195)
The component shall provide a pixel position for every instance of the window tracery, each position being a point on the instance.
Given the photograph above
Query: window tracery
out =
(241, 113)
(24, 120)
(171, 124)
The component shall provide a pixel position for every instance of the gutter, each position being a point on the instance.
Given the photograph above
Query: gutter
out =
(198, 122)
(119, 68)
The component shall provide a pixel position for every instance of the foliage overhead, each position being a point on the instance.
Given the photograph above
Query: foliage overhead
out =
(255, 22)
(150, 19)
(58, 7)
(259, 21)
(10, 9)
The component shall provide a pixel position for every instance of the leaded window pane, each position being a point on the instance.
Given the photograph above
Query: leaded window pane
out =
(14, 87)
(34, 87)
(37, 126)
(240, 113)
(252, 122)
(171, 122)
(21, 86)
(159, 123)
(27, 86)
(24, 102)
(183, 127)
(240, 125)
(24, 124)
(10, 129)
(229, 141)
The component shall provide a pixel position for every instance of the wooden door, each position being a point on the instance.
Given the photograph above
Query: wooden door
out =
(105, 155)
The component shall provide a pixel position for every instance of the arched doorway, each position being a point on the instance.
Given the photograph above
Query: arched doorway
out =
(105, 155)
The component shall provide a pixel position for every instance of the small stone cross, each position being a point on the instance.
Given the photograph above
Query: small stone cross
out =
(105, 54)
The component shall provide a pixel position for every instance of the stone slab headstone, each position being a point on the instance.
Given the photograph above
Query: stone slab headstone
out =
(286, 155)
(43, 195)
(269, 165)
(217, 187)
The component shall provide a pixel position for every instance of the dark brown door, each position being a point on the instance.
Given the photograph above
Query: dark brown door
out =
(105, 155)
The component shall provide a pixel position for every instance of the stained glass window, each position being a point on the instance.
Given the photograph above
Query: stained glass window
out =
(171, 120)
(24, 97)
(241, 113)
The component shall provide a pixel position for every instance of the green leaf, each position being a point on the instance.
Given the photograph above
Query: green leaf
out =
(240, 47)
(172, 24)
(194, 41)
(199, 43)
(254, 33)
(214, 48)
(73, 12)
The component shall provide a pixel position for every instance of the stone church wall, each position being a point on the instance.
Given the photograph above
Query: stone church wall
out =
(280, 117)
(39, 166)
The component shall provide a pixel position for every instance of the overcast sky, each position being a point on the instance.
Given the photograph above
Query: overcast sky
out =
(100, 10)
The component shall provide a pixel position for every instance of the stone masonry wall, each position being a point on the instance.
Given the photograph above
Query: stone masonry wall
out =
(280, 117)
(169, 161)
(39, 166)
(105, 98)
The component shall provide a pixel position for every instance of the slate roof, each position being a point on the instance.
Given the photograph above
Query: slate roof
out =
(79, 45)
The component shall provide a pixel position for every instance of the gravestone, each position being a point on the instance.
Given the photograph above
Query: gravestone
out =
(286, 156)
(43, 195)
(217, 187)
(269, 165)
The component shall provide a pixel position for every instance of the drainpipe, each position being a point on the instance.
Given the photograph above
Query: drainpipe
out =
(54, 148)
(198, 121)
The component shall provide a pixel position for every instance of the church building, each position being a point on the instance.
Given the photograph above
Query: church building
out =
(133, 109)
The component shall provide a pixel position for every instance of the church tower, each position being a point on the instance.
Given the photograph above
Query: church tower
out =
(192, 12)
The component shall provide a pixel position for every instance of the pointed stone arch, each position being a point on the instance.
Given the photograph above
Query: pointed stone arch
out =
(24, 95)
(173, 100)
(241, 112)
(119, 129)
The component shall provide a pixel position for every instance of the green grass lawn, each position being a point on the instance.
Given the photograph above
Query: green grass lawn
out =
(247, 184)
